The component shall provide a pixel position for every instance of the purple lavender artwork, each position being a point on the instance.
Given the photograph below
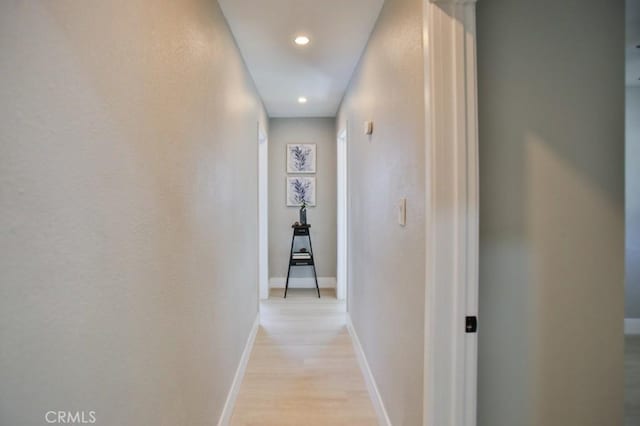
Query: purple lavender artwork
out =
(301, 189)
(301, 158)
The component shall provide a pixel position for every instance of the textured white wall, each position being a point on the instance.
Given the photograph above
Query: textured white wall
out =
(322, 217)
(128, 130)
(386, 285)
(551, 111)
(632, 294)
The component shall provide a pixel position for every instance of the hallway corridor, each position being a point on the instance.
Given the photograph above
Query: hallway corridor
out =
(303, 368)
(460, 165)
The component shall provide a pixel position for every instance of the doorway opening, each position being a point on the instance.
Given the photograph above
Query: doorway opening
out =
(302, 165)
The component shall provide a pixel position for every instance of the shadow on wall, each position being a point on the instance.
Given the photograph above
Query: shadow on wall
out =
(552, 211)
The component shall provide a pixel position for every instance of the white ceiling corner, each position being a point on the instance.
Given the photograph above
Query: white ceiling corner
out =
(265, 29)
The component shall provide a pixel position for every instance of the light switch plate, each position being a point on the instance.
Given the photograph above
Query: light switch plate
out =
(402, 212)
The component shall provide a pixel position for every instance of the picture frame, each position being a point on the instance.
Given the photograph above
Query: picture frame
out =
(301, 158)
(301, 188)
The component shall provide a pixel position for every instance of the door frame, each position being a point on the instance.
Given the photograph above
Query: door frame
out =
(263, 214)
(452, 233)
(342, 218)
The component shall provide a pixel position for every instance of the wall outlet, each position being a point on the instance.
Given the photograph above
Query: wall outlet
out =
(402, 212)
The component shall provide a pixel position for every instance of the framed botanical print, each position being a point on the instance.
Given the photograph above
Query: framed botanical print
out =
(301, 158)
(301, 189)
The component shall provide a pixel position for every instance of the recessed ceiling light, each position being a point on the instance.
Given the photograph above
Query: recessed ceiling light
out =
(302, 100)
(301, 40)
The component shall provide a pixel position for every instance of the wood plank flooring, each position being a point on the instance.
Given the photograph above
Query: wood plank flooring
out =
(632, 381)
(303, 369)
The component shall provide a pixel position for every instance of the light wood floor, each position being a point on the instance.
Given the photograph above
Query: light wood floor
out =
(303, 369)
(632, 381)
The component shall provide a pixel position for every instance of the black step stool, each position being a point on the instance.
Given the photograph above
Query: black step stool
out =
(301, 258)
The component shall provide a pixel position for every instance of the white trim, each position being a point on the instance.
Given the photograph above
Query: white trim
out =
(263, 214)
(342, 215)
(632, 326)
(450, 372)
(227, 410)
(306, 282)
(374, 394)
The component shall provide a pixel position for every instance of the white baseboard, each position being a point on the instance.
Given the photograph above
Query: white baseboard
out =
(376, 399)
(230, 403)
(632, 326)
(306, 282)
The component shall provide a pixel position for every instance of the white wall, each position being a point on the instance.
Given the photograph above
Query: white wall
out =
(551, 111)
(127, 130)
(386, 286)
(632, 158)
(322, 217)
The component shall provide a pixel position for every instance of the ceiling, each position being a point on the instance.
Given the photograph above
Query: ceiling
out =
(632, 43)
(283, 72)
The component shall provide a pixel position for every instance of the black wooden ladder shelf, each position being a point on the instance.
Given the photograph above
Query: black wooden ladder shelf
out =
(303, 257)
